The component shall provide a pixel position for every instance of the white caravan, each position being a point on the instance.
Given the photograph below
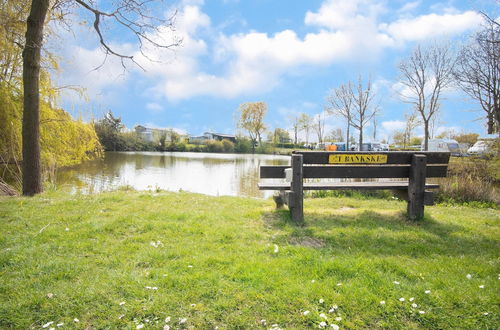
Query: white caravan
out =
(445, 145)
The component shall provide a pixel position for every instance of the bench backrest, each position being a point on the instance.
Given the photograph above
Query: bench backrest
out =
(354, 164)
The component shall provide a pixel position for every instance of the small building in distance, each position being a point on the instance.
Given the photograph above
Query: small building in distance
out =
(155, 134)
(202, 139)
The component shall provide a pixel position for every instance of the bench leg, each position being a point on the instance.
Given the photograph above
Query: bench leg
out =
(416, 187)
(296, 195)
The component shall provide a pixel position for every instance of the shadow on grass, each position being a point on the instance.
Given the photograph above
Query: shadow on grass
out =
(371, 232)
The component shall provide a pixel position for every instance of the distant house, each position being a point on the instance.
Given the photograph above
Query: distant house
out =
(202, 139)
(154, 134)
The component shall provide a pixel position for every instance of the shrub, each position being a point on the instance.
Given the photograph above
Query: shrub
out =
(227, 146)
(215, 146)
(468, 180)
(243, 145)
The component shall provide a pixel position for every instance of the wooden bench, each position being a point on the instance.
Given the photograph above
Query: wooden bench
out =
(414, 167)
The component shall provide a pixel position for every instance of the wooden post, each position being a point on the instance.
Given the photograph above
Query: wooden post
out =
(416, 187)
(296, 196)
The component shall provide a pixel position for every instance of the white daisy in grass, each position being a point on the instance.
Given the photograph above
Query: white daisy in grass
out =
(414, 305)
(46, 325)
(305, 313)
(190, 266)
(334, 307)
(321, 300)
(263, 322)
(469, 276)
(121, 316)
(276, 248)
(338, 319)
(382, 302)
(167, 319)
(323, 316)
(50, 295)
(339, 284)
(322, 324)
(427, 291)
(183, 320)
(121, 303)
(67, 229)
(52, 328)
(312, 281)
(411, 299)
(76, 320)
(421, 312)
(481, 286)
(140, 326)
(396, 282)
(402, 299)
(486, 313)
(166, 327)
(60, 324)
(334, 326)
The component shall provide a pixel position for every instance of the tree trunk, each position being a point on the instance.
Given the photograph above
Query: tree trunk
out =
(32, 176)
(426, 135)
(360, 138)
(347, 141)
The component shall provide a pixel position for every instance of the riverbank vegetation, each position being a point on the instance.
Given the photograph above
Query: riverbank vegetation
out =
(128, 259)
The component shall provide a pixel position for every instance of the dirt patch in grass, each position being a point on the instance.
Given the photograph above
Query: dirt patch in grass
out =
(311, 242)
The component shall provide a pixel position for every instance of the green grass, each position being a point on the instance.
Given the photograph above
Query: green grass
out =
(105, 257)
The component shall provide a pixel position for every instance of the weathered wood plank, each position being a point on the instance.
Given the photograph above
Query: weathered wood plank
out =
(416, 187)
(396, 185)
(354, 171)
(393, 157)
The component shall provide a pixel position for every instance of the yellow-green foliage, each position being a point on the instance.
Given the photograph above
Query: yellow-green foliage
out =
(64, 141)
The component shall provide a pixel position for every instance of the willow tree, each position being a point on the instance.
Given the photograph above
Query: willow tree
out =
(128, 15)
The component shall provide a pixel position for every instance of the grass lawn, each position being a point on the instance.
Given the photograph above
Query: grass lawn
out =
(126, 259)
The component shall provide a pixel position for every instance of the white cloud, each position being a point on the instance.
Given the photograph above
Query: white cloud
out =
(253, 62)
(154, 107)
(409, 6)
(393, 125)
(431, 26)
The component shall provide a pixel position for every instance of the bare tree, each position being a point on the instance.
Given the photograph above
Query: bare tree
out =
(295, 128)
(478, 72)
(425, 73)
(340, 103)
(411, 123)
(363, 108)
(129, 15)
(305, 124)
(319, 126)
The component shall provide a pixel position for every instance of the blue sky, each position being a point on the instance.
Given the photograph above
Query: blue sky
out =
(289, 54)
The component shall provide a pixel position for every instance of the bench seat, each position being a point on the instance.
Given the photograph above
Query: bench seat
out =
(397, 185)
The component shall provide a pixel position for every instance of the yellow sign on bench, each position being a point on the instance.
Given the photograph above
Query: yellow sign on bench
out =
(357, 159)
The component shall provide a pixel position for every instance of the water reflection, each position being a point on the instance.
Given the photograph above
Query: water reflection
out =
(206, 173)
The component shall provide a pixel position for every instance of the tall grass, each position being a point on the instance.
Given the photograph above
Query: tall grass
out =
(469, 180)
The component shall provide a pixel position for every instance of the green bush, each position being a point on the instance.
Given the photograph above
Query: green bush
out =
(215, 146)
(227, 146)
(243, 145)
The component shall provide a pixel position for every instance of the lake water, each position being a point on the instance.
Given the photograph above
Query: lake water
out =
(206, 173)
